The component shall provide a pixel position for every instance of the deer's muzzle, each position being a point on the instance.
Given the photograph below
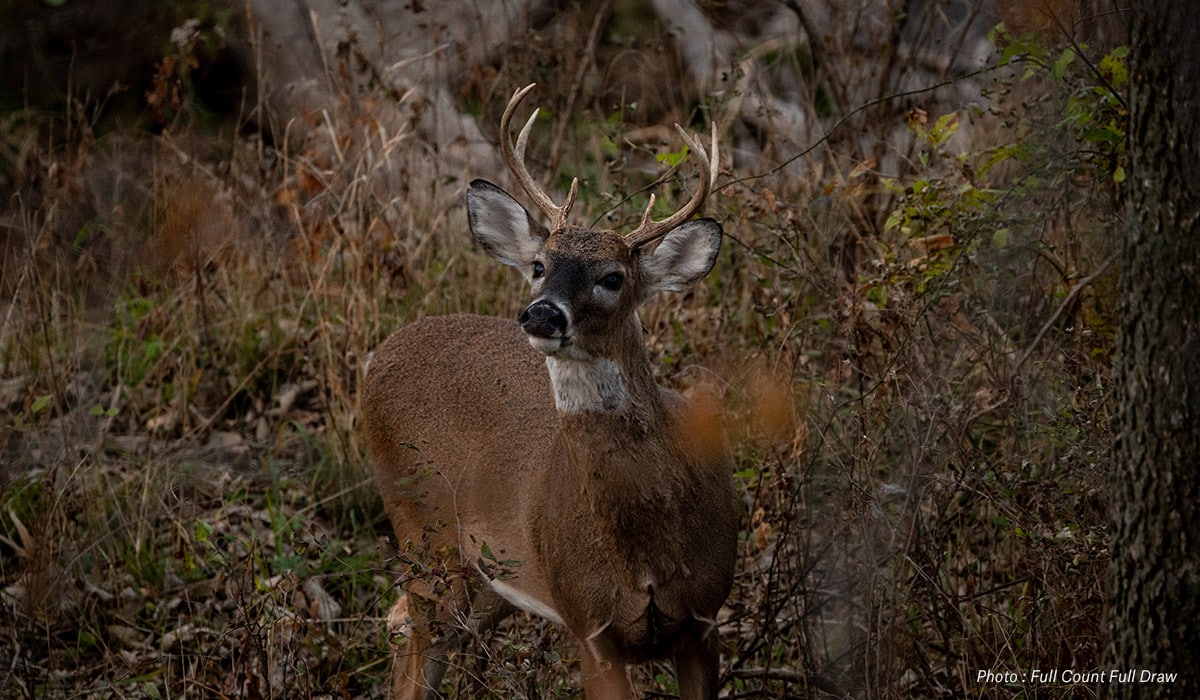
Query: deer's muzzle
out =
(544, 319)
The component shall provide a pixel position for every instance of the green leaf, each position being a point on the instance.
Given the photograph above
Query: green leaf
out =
(1113, 66)
(87, 640)
(1119, 175)
(894, 219)
(878, 295)
(40, 403)
(673, 159)
(1065, 59)
(1000, 238)
(999, 154)
(945, 127)
(997, 32)
(203, 531)
(1010, 53)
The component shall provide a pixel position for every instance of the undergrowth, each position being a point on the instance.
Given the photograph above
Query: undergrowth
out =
(914, 367)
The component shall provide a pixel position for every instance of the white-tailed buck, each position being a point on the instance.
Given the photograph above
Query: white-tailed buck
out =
(536, 465)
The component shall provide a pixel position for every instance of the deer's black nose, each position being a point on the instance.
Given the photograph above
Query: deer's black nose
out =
(544, 319)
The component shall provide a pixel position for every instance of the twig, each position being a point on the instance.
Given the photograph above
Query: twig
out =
(211, 420)
(589, 55)
(109, 416)
(787, 675)
(1075, 291)
(774, 674)
(1078, 51)
(1025, 355)
(848, 115)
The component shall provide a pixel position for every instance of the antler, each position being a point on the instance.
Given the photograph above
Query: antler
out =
(650, 230)
(515, 158)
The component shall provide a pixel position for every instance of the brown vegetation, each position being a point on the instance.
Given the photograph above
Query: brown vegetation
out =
(914, 368)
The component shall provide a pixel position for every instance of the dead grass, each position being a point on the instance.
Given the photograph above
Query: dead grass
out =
(920, 411)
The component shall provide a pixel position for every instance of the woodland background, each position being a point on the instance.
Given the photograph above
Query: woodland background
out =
(212, 211)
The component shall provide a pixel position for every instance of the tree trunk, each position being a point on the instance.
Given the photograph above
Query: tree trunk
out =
(1154, 576)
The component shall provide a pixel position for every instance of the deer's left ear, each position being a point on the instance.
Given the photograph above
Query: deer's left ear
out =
(681, 258)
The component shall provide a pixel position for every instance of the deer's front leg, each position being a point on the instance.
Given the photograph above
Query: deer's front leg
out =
(417, 663)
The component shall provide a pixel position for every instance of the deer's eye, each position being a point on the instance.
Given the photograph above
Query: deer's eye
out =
(538, 269)
(612, 281)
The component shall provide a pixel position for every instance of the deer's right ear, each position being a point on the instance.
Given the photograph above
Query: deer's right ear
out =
(503, 227)
(681, 258)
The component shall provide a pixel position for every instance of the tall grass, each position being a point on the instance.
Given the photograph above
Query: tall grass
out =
(914, 372)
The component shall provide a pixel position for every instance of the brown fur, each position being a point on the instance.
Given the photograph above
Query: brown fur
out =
(468, 450)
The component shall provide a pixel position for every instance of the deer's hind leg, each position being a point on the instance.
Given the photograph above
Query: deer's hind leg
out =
(605, 673)
(698, 666)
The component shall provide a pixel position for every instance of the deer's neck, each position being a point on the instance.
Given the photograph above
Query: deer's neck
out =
(612, 416)
(620, 465)
(618, 381)
(598, 385)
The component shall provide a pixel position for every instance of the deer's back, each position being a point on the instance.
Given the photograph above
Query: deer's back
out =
(457, 412)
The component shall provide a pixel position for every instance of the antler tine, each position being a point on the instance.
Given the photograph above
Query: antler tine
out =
(649, 230)
(515, 158)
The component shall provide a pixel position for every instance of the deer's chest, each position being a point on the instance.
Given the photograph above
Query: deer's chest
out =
(634, 586)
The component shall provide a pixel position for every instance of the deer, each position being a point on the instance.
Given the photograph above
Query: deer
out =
(537, 465)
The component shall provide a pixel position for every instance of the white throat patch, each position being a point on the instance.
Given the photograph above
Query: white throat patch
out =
(582, 385)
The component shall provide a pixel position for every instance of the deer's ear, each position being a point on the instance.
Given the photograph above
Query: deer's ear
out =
(503, 227)
(681, 258)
